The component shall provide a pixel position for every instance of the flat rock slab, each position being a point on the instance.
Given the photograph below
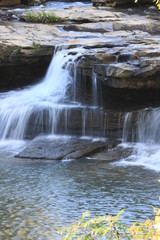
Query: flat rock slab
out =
(61, 148)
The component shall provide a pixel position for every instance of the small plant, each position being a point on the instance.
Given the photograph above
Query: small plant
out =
(109, 228)
(147, 230)
(157, 2)
(41, 16)
(105, 227)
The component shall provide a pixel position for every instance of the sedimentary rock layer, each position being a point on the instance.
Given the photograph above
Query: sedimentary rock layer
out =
(122, 47)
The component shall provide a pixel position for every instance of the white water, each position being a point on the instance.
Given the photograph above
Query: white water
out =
(37, 110)
(144, 137)
(51, 106)
(41, 102)
(144, 155)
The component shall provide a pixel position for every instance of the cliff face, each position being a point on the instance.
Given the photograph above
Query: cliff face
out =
(121, 47)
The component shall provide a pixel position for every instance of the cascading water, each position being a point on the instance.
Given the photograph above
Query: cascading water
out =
(53, 106)
(142, 128)
(35, 106)
(49, 107)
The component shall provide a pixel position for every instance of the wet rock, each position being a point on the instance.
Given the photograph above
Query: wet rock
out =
(113, 154)
(61, 148)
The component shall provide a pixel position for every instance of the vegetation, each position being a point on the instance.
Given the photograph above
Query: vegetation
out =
(95, 228)
(42, 17)
(157, 2)
(148, 230)
(109, 228)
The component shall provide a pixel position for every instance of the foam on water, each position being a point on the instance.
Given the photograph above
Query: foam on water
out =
(146, 156)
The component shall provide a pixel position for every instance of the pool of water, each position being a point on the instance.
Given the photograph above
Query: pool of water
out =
(37, 197)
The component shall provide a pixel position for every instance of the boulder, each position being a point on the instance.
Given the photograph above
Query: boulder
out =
(61, 148)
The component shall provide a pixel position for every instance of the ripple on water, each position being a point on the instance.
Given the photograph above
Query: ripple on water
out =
(38, 197)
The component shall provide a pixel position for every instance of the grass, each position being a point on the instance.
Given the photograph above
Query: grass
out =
(42, 17)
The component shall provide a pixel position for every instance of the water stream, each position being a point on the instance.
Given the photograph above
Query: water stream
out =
(141, 132)
(52, 5)
(30, 209)
(37, 109)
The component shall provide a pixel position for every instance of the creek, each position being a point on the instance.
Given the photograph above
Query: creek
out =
(36, 197)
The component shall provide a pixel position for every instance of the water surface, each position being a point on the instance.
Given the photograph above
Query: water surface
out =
(37, 197)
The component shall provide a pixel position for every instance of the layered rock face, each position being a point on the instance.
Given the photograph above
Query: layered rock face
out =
(121, 47)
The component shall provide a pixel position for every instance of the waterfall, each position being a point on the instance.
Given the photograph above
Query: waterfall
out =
(141, 131)
(142, 126)
(51, 106)
(27, 111)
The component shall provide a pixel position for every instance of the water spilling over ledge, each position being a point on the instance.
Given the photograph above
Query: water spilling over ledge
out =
(60, 103)
(106, 75)
(40, 102)
(77, 112)
(142, 126)
(67, 103)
